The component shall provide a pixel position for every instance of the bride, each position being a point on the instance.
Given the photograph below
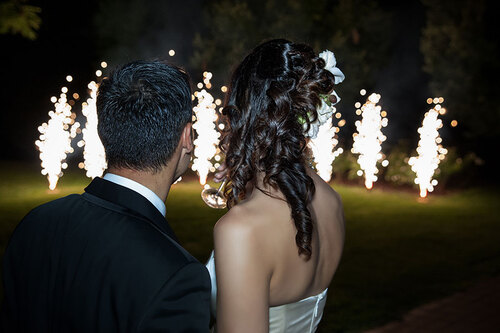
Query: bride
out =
(279, 245)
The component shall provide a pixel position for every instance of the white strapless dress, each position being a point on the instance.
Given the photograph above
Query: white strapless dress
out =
(298, 317)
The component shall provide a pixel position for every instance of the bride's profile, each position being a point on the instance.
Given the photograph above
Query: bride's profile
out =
(280, 243)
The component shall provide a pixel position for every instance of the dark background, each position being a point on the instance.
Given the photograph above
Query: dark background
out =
(405, 50)
(69, 43)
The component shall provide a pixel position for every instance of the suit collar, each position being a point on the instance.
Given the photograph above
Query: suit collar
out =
(130, 200)
(139, 188)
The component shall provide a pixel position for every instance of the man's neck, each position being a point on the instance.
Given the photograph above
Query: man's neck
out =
(159, 182)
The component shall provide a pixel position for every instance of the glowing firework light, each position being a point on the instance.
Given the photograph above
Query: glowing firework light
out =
(55, 139)
(323, 147)
(368, 140)
(93, 152)
(205, 127)
(430, 152)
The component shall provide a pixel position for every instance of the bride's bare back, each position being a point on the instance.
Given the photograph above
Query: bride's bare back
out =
(257, 260)
(271, 109)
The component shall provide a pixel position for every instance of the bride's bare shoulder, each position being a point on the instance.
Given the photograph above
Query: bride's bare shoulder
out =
(237, 223)
(239, 236)
(249, 222)
(325, 191)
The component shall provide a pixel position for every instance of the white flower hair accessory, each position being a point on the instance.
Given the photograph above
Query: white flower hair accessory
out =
(331, 65)
(326, 109)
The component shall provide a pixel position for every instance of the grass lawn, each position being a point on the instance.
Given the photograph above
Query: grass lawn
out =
(400, 251)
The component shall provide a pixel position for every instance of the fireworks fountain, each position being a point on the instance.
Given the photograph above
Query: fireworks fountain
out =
(55, 140)
(56, 135)
(321, 131)
(323, 147)
(368, 139)
(430, 151)
(206, 130)
(93, 152)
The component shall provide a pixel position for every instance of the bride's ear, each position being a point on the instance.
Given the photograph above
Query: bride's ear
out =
(187, 138)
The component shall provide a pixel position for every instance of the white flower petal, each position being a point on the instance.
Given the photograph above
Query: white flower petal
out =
(324, 117)
(325, 111)
(331, 65)
(339, 76)
(324, 108)
(329, 58)
(313, 131)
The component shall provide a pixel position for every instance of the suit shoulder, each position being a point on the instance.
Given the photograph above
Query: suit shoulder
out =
(140, 238)
(52, 208)
(57, 202)
(118, 231)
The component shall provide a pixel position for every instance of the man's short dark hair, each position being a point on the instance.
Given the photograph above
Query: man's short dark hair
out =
(142, 108)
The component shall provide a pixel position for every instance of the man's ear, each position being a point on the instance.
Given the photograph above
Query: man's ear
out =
(187, 138)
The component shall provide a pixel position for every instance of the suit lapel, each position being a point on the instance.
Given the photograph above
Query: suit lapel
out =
(130, 200)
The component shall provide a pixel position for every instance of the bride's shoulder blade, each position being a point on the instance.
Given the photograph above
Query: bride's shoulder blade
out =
(238, 222)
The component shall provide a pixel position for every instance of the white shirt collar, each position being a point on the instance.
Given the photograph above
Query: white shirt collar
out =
(139, 188)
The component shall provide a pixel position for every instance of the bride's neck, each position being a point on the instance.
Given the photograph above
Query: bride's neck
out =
(259, 188)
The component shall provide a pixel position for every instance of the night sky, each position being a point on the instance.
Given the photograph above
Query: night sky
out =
(69, 44)
(33, 71)
(402, 84)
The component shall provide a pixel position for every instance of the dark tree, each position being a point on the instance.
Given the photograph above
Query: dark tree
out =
(16, 17)
(357, 31)
(128, 30)
(460, 47)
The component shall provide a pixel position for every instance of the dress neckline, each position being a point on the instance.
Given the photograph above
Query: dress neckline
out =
(318, 296)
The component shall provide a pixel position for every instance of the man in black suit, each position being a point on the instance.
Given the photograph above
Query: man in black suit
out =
(107, 260)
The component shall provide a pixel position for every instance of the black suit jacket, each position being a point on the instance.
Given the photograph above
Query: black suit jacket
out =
(103, 261)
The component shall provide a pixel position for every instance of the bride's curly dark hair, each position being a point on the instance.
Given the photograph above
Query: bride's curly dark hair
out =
(273, 91)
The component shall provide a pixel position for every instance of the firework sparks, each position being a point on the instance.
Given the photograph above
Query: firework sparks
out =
(55, 140)
(93, 152)
(323, 149)
(368, 140)
(206, 130)
(430, 151)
